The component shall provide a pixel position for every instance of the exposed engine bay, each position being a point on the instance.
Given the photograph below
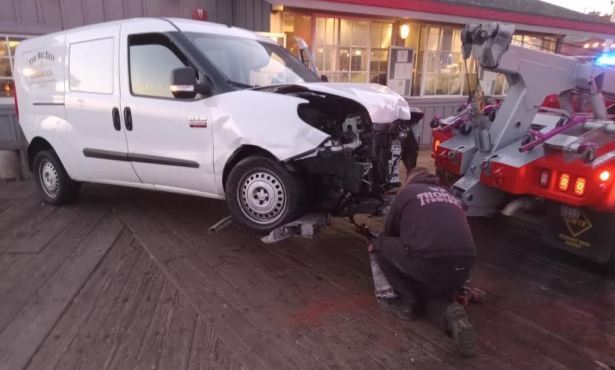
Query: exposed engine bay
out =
(353, 171)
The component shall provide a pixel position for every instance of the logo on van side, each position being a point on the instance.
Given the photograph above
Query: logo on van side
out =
(42, 55)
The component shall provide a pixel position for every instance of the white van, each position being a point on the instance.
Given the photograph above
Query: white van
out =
(205, 109)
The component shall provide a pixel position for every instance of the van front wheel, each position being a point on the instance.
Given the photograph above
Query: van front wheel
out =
(262, 194)
(54, 184)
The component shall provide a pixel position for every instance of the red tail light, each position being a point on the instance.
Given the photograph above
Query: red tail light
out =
(579, 186)
(564, 182)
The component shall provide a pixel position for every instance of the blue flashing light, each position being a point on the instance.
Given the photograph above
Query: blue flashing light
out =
(606, 59)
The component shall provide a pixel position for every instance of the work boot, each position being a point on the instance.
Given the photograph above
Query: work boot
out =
(395, 307)
(459, 328)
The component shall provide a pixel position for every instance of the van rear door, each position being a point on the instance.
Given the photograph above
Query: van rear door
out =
(93, 105)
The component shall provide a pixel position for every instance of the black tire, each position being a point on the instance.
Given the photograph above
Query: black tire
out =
(262, 195)
(54, 184)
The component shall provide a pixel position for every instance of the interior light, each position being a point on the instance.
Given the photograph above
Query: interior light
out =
(544, 178)
(605, 175)
(596, 44)
(579, 186)
(404, 31)
(586, 46)
(564, 182)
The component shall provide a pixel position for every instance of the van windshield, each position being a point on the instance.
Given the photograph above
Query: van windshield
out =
(252, 63)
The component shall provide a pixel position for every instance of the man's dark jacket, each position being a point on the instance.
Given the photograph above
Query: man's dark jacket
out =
(427, 221)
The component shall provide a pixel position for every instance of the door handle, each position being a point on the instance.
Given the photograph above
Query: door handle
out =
(128, 119)
(116, 119)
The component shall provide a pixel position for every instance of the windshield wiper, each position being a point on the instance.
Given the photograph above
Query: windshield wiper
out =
(239, 84)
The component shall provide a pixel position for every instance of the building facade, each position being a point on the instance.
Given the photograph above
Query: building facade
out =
(349, 39)
(20, 19)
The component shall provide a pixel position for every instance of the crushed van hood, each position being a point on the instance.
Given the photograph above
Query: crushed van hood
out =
(382, 103)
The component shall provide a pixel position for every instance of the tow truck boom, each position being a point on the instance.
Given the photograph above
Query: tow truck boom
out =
(532, 75)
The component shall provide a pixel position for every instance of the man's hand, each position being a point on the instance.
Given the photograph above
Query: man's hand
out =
(370, 248)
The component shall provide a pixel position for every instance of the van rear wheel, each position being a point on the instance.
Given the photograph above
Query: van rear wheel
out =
(262, 194)
(54, 184)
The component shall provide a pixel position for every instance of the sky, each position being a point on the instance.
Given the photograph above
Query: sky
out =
(603, 6)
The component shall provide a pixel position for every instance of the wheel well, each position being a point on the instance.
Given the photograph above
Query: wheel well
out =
(36, 145)
(242, 152)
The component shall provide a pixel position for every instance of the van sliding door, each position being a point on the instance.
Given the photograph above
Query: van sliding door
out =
(93, 105)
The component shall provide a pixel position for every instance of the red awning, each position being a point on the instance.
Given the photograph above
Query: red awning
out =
(436, 7)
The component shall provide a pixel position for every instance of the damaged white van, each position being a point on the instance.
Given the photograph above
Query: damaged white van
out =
(209, 110)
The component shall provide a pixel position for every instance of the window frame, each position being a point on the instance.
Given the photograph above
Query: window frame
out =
(424, 51)
(333, 50)
(112, 66)
(6, 37)
(186, 60)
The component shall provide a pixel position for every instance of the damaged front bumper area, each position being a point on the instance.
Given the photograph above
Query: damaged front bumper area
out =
(355, 170)
(370, 133)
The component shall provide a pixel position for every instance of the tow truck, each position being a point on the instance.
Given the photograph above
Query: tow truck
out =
(518, 156)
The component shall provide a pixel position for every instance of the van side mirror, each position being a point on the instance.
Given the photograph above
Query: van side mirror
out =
(185, 86)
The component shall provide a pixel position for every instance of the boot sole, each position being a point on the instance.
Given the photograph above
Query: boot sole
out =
(467, 342)
(463, 332)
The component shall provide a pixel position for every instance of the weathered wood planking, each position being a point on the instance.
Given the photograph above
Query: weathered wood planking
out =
(207, 293)
(26, 276)
(40, 17)
(23, 335)
(279, 302)
(177, 297)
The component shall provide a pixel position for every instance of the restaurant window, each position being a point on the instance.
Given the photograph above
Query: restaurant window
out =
(544, 43)
(8, 44)
(352, 50)
(441, 69)
(292, 24)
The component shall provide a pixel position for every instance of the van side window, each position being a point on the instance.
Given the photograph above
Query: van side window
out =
(152, 57)
(91, 66)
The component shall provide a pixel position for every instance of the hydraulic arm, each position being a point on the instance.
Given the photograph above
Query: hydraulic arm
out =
(532, 75)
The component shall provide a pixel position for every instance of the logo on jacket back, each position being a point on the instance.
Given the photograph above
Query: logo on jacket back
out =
(437, 195)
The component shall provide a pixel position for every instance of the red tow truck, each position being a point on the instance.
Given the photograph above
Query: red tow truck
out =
(547, 148)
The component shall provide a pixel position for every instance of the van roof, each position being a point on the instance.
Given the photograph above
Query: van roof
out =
(184, 25)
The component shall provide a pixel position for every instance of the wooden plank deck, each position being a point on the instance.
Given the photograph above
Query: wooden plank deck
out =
(129, 279)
